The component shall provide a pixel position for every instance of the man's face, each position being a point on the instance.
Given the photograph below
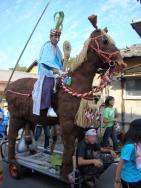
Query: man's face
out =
(54, 39)
(91, 139)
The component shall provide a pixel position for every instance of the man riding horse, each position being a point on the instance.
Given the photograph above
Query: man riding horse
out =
(50, 64)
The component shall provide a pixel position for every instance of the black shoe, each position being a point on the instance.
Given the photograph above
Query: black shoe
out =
(47, 151)
(90, 184)
(33, 152)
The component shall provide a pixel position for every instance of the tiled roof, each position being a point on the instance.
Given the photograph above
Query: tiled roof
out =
(132, 51)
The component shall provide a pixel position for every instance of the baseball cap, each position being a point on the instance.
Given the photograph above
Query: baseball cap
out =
(91, 132)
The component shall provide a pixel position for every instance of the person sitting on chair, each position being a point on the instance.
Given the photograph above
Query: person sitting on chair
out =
(88, 164)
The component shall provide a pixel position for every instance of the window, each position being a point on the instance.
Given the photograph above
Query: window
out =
(133, 88)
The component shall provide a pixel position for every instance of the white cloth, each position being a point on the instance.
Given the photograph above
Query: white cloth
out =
(50, 56)
(36, 95)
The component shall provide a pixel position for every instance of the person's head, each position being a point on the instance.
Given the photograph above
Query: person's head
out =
(55, 37)
(133, 135)
(109, 101)
(90, 136)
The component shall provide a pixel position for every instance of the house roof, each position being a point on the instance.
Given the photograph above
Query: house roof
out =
(35, 63)
(5, 75)
(137, 27)
(132, 51)
(134, 70)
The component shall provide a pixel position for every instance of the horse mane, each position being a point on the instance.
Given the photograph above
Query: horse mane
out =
(81, 57)
(111, 40)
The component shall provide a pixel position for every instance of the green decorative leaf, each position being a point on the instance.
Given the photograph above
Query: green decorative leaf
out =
(58, 18)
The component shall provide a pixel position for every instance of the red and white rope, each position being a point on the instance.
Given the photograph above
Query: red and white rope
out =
(17, 93)
(106, 78)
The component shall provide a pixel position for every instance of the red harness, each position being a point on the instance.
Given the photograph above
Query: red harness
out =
(104, 56)
(105, 79)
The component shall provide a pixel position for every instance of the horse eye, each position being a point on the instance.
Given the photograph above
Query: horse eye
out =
(105, 40)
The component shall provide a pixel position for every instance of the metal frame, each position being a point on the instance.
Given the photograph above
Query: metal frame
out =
(29, 161)
(36, 165)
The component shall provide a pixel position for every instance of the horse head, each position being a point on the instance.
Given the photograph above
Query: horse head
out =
(102, 45)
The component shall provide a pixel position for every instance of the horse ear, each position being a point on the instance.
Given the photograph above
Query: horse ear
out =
(93, 20)
(105, 29)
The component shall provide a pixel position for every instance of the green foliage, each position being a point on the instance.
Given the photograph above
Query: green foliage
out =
(55, 160)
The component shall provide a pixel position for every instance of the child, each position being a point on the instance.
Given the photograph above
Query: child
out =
(109, 121)
(128, 172)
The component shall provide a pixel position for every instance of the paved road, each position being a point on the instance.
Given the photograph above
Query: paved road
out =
(31, 180)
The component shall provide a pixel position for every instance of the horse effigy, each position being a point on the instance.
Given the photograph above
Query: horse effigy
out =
(99, 52)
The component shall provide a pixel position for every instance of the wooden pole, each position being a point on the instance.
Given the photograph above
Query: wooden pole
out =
(122, 102)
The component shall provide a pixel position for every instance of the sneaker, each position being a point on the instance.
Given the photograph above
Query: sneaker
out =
(47, 150)
(51, 112)
(90, 184)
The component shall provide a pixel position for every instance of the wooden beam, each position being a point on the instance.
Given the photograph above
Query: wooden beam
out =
(135, 66)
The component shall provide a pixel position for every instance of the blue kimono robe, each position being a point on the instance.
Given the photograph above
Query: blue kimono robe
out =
(50, 57)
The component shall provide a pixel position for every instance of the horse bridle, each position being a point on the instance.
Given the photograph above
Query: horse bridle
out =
(106, 57)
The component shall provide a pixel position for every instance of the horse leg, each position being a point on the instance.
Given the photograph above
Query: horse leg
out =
(68, 139)
(12, 135)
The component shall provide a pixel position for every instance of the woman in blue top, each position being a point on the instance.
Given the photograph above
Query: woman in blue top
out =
(129, 167)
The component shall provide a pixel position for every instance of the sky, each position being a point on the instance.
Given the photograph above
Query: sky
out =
(18, 17)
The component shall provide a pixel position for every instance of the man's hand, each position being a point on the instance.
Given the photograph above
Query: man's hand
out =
(97, 163)
(55, 71)
(113, 154)
(117, 183)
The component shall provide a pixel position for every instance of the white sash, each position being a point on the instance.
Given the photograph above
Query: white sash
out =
(36, 95)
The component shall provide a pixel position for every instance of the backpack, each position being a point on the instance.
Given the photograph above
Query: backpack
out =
(138, 155)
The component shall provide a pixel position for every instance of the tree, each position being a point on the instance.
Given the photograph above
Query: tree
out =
(20, 68)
